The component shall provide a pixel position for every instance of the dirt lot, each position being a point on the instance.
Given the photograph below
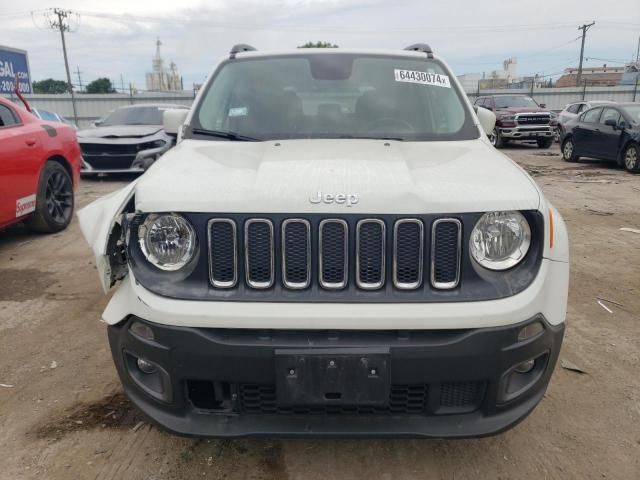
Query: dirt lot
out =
(63, 414)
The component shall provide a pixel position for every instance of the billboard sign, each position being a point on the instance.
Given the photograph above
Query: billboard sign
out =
(14, 62)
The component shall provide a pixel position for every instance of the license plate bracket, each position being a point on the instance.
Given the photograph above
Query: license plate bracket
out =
(332, 377)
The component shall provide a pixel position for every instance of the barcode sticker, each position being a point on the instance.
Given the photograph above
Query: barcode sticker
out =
(424, 78)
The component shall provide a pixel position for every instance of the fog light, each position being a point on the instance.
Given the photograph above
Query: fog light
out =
(141, 330)
(524, 367)
(530, 330)
(145, 366)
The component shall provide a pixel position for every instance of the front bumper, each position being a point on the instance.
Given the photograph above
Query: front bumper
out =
(528, 132)
(112, 163)
(442, 383)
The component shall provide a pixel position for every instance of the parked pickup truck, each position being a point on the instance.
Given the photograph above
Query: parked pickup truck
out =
(519, 118)
(333, 248)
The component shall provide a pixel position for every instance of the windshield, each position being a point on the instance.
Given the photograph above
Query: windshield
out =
(332, 96)
(134, 116)
(507, 101)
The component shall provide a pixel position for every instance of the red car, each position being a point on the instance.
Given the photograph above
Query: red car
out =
(39, 170)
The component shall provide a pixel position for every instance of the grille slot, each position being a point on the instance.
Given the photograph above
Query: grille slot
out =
(296, 253)
(223, 253)
(408, 253)
(460, 394)
(333, 261)
(403, 399)
(445, 253)
(259, 252)
(370, 254)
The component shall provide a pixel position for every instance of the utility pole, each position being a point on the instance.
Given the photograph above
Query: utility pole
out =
(584, 29)
(61, 25)
(78, 72)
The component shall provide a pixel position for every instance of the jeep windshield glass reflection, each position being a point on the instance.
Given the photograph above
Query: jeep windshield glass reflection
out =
(337, 96)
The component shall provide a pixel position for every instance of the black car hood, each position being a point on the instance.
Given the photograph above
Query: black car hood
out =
(120, 131)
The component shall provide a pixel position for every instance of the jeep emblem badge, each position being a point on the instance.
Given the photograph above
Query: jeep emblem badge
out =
(340, 198)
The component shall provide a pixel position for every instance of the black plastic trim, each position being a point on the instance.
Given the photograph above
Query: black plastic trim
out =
(476, 283)
(236, 356)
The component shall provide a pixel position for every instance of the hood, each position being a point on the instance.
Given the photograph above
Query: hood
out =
(387, 177)
(510, 110)
(119, 131)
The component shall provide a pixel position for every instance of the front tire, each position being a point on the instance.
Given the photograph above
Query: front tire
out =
(54, 200)
(631, 157)
(569, 150)
(545, 142)
(496, 139)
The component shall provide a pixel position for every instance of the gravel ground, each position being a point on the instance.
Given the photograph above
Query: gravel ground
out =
(63, 414)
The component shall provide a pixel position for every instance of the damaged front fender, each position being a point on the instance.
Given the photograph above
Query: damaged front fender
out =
(101, 225)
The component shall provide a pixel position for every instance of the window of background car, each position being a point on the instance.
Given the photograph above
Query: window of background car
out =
(47, 116)
(332, 96)
(634, 112)
(592, 116)
(506, 101)
(149, 115)
(574, 108)
(610, 113)
(7, 117)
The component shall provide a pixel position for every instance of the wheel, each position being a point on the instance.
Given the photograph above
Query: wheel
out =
(545, 142)
(569, 150)
(496, 139)
(54, 200)
(631, 157)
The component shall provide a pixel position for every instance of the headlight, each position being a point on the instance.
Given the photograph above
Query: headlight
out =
(167, 241)
(500, 240)
(508, 117)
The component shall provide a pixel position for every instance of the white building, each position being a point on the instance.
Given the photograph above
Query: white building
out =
(161, 79)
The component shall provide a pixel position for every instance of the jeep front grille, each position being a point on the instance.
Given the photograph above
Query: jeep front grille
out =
(366, 254)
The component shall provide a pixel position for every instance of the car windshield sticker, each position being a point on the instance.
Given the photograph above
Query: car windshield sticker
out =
(25, 205)
(238, 112)
(424, 78)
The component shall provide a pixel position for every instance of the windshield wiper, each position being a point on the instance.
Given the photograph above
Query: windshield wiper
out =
(365, 137)
(228, 135)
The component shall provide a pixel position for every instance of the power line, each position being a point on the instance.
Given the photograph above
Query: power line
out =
(584, 29)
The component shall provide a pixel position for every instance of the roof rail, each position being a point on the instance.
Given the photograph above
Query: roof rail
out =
(421, 47)
(241, 47)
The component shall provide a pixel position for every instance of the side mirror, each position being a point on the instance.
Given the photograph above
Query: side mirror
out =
(173, 119)
(97, 123)
(487, 120)
(611, 122)
(543, 105)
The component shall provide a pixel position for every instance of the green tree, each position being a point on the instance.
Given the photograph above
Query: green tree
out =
(318, 45)
(49, 85)
(100, 85)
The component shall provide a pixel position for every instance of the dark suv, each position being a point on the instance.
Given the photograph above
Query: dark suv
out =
(519, 117)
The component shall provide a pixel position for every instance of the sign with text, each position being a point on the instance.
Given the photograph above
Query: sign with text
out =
(14, 62)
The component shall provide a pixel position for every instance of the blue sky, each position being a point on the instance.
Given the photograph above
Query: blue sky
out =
(118, 37)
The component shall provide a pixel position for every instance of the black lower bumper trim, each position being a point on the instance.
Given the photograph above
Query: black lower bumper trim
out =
(231, 383)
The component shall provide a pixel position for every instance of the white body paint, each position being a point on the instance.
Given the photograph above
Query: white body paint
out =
(333, 177)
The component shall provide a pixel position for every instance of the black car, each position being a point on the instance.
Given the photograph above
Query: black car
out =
(610, 132)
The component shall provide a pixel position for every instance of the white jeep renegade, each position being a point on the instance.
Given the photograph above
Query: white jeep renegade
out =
(333, 248)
